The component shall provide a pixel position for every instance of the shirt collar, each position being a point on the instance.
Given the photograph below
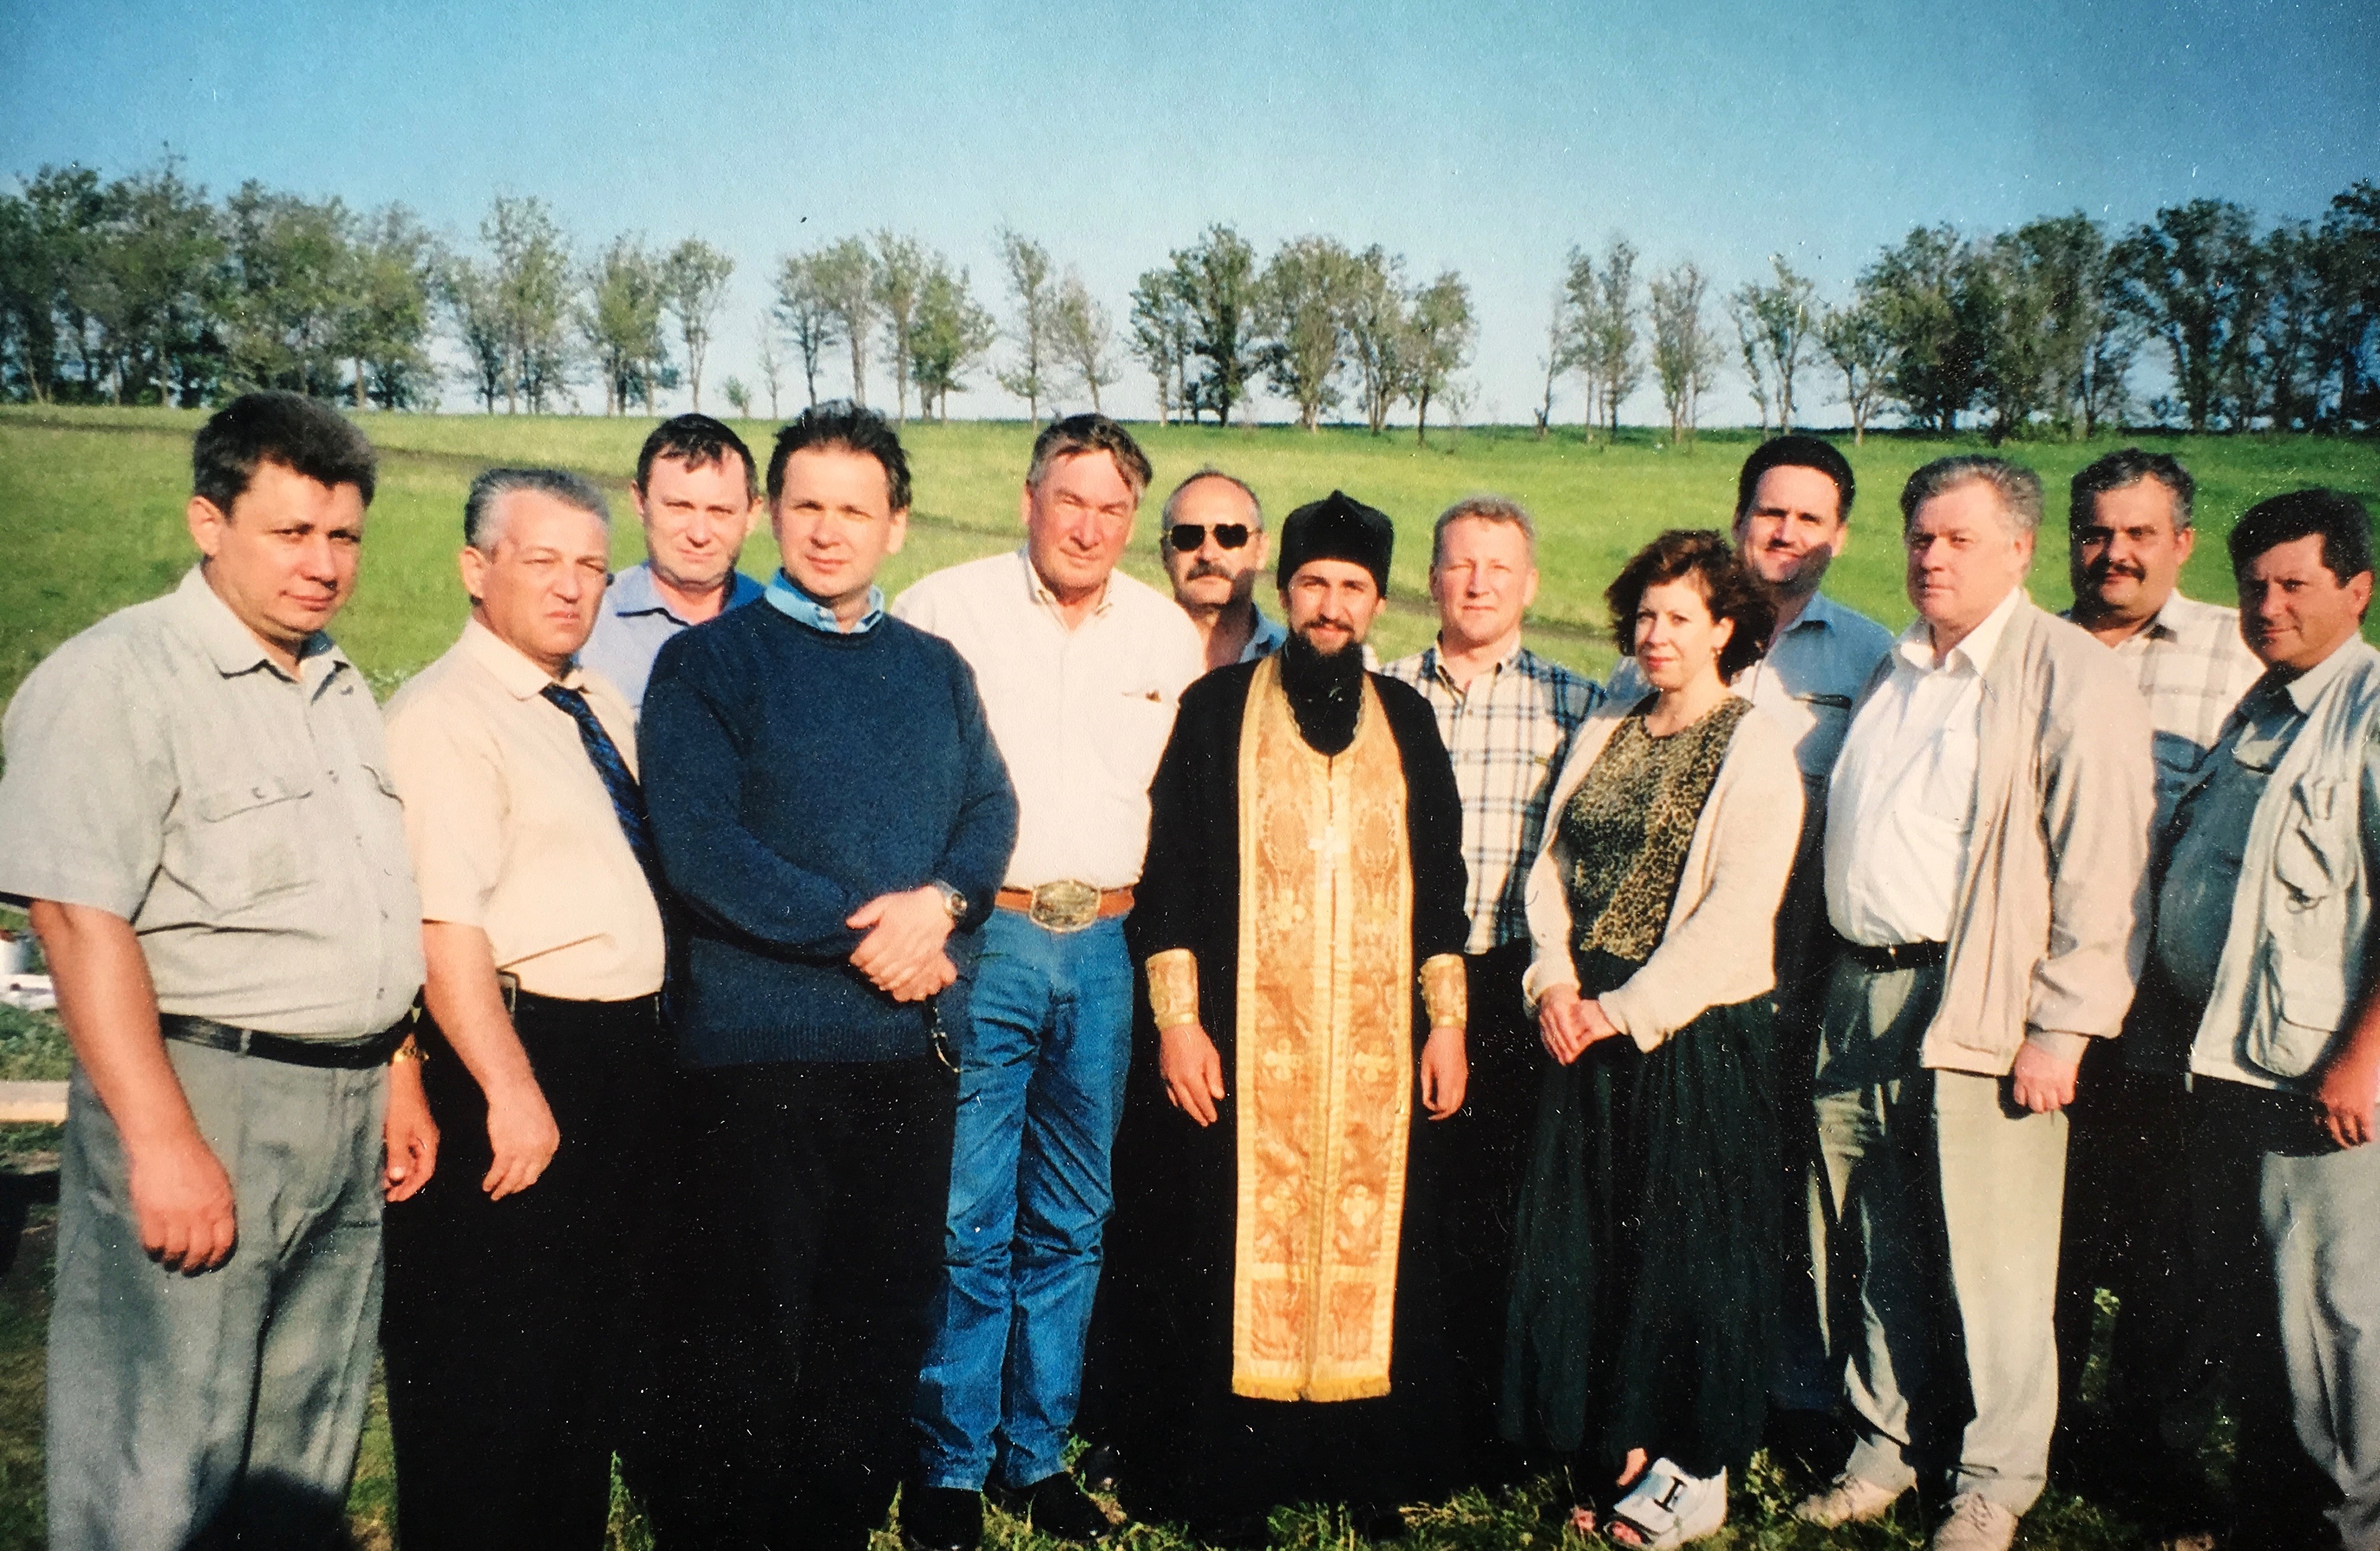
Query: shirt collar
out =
(2307, 687)
(801, 609)
(234, 647)
(1819, 613)
(521, 678)
(1264, 640)
(633, 592)
(1436, 667)
(1916, 644)
(1039, 590)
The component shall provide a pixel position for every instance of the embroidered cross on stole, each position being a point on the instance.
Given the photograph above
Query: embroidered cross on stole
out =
(1324, 1064)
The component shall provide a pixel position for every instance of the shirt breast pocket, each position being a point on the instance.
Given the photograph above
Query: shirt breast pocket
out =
(1132, 735)
(247, 846)
(2318, 852)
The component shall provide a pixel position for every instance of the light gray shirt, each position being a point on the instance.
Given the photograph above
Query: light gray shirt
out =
(162, 769)
(2194, 667)
(635, 625)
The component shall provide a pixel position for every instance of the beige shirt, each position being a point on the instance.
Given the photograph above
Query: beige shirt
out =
(511, 829)
(1080, 715)
(163, 770)
(1903, 793)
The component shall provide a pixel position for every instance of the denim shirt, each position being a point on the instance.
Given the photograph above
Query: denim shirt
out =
(2292, 959)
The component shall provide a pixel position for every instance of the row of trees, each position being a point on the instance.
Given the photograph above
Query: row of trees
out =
(2037, 328)
(145, 290)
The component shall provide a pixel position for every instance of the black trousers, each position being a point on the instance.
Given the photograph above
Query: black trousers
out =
(818, 1257)
(1486, 1152)
(508, 1325)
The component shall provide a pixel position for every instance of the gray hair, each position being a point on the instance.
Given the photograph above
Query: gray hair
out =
(1487, 508)
(482, 531)
(1255, 508)
(2018, 488)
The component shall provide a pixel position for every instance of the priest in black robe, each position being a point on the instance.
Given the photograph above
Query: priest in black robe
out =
(1273, 1288)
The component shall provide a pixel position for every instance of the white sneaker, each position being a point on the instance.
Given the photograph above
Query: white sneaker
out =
(1852, 1499)
(1975, 1523)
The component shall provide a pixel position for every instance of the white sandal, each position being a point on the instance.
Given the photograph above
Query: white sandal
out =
(1667, 1508)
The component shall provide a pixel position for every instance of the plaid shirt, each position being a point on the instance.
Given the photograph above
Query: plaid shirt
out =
(1508, 735)
(2193, 668)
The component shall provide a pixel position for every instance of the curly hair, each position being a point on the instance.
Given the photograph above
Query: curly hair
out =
(1731, 592)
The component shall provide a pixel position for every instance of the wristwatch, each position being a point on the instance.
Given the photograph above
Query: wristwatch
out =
(952, 900)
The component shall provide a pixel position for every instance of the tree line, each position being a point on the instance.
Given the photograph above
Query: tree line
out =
(144, 290)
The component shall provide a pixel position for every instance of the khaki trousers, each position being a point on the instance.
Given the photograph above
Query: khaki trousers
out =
(1935, 1245)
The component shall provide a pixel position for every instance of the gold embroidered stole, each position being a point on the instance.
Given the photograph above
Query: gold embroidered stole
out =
(1324, 1064)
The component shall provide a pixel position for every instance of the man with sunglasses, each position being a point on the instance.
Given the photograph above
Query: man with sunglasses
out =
(1212, 543)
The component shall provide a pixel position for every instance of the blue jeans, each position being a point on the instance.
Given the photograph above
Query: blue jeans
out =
(1040, 1089)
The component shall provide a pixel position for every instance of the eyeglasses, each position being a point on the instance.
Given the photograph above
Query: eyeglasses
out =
(1188, 536)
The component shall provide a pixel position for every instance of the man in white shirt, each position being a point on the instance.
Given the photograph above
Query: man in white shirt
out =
(2128, 1209)
(1080, 668)
(1212, 542)
(1986, 853)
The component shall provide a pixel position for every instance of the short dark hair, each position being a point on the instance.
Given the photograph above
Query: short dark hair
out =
(2018, 488)
(854, 428)
(303, 435)
(1728, 587)
(1077, 434)
(2121, 470)
(1796, 451)
(697, 442)
(2341, 520)
(495, 484)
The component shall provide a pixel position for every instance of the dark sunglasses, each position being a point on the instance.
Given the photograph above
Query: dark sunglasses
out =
(1189, 536)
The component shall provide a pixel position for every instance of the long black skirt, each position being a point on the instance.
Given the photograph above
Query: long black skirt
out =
(1645, 1247)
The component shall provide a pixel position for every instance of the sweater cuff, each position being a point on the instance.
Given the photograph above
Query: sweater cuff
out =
(1629, 1018)
(2065, 1046)
(1542, 976)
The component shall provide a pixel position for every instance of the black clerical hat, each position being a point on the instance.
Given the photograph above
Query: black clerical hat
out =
(1336, 527)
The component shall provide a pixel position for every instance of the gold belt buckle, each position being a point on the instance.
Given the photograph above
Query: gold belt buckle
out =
(1064, 906)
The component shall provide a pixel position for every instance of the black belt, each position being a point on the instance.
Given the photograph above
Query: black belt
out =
(1896, 955)
(344, 1054)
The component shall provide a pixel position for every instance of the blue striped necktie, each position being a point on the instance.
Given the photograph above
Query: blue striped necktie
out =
(627, 799)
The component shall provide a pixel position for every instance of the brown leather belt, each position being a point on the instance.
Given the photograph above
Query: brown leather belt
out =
(1066, 905)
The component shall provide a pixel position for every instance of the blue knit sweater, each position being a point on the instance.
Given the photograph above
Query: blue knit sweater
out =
(792, 776)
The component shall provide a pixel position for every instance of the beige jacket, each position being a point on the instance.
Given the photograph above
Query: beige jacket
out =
(2051, 917)
(1718, 947)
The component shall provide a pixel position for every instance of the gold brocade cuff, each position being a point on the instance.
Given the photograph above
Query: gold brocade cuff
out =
(1173, 987)
(1445, 992)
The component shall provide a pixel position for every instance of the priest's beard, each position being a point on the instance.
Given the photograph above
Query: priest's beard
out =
(1325, 690)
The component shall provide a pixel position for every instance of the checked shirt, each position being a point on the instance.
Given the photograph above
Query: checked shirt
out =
(2193, 668)
(1507, 735)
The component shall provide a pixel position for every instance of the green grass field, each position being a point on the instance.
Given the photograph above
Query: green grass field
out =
(91, 504)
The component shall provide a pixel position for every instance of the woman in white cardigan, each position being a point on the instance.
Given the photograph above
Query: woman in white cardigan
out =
(1646, 1246)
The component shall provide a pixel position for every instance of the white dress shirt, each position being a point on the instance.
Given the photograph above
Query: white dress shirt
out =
(1902, 800)
(1080, 715)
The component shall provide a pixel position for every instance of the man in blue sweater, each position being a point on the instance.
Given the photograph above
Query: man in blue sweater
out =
(833, 813)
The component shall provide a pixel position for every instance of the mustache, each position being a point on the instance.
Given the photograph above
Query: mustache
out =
(1205, 569)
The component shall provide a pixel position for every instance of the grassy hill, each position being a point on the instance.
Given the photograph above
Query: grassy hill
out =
(90, 504)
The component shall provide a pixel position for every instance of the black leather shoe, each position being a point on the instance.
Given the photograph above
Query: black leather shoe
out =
(940, 1517)
(1099, 1467)
(1058, 1506)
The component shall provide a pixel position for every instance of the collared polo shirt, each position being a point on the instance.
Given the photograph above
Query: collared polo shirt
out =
(1080, 714)
(801, 609)
(1902, 800)
(2193, 668)
(162, 768)
(1507, 733)
(512, 830)
(634, 622)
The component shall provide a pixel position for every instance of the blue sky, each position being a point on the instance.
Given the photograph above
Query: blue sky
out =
(1488, 138)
